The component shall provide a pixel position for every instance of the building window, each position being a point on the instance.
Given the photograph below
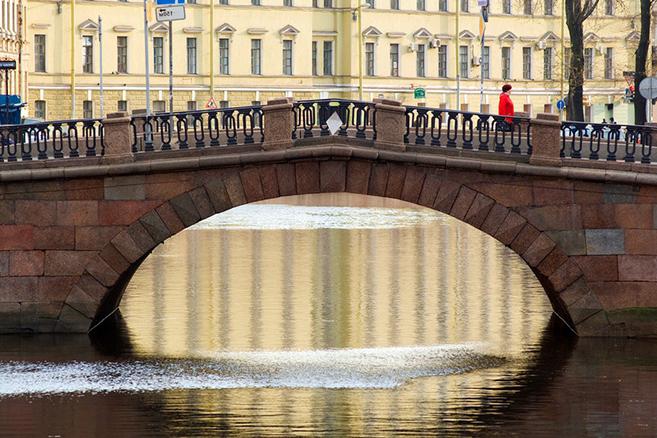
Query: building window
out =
(158, 55)
(159, 106)
(566, 63)
(328, 58)
(526, 62)
(223, 104)
(191, 2)
(224, 66)
(464, 62)
(485, 62)
(287, 57)
(506, 62)
(122, 54)
(394, 4)
(465, 6)
(87, 109)
(609, 63)
(40, 54)
(191, 56)
(40, 109)
(506, 6)
(191, 105)
(287, 3)
(547, 63)
(549, 7)
(394, 60)
(527, 7)
(87, 54)
(328, 4)
(122, 106)
(314, 58)
(256, 57)
(369, 59)
(442, 61)
(255, 2)
(223, 2)
(315, 3)
(420, 61)
(370, 3)
(421, 5)
(609, 7)
(588, 63)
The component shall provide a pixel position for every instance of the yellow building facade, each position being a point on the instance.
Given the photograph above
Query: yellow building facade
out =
(12, 42)
(252, 50)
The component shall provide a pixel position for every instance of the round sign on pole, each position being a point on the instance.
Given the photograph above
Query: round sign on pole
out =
(648, 88)
(561, 104)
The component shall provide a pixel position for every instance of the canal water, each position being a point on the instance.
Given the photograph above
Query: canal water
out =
(332, 315)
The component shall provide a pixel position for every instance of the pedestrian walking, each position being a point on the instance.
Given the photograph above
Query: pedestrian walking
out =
(505, 107)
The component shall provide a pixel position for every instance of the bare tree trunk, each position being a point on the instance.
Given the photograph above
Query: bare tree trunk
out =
(576, 80)
(641, 57)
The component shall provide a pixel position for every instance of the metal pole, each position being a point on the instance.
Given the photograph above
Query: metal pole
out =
(171, 67)
(72, 59)
(6, 97)
(100, 43)
(481, 65)
(458, 67)
(563, 51)
(147, 128)
(360, 52)
(212, 49)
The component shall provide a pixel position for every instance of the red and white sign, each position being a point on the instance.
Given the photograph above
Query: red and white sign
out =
(212, 104)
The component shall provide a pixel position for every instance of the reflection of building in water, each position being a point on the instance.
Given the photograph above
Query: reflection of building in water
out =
(236, 290)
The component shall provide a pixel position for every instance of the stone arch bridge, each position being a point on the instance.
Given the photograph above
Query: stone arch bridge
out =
(82, 203)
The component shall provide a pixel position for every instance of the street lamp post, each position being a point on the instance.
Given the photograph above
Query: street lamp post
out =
(359, 12)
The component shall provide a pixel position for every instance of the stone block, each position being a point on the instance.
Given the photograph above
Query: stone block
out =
(7, 209)
(218, 195)
(510, 227)
(123, 212)
(26, 263)
(396, 178)
(59, 237)
(114, 259)
(517, 195)
(167, 185)
(269, 181)
(4, 263)
(102, 271)
(84, 189)
(587, 192)
(524, 239)
(16, 237)
(554, 217)
(185, 208)
(307, 173)
(641, 242)
(598, 268)
(358, 176)
(91, 287)
(77, 212)
(479, 210)
(413, 183)
(202, 202)
(552, 192)
(127, 247)
(494, 219)
(82, 302)
(171, 218)
(252, 185)
(141, 237)
(95, 238)
(62, 263)
(605, 241)
(552, 262)
(598, 216)
(378, 179)
(619, 295)
(618, 194)
(72, 321)
(285, 174)
(234, 189)
(10, 317)
(571, 242)
(637, 268)
(41, 213)
(538, 250)
(462, 202)
(564, 276)
(332, 176)
(124, 188)
(639, 216)
(576, 291)
(155, 226)
(584, 308)
(18, 289)
(429, 191)
(55, 288)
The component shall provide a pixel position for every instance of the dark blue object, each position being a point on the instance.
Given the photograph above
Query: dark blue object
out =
(10, 109)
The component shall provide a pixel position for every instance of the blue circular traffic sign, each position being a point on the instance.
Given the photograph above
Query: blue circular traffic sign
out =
(561, 104)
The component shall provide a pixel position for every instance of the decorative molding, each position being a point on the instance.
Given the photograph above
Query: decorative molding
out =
(549, 37)
(633, 36)
(422, 33)
(88, 26)
(508, 36)
(591, 37)
(467, 35)
(396, 34)
(443, 37)
(225, 29)
(123, 28)
(192, 29)
(159, 28)
(256, 31)
(40, 25)
(372, 32)
(289, 30)
(325, 33)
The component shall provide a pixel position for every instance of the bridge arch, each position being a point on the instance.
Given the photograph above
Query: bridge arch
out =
(460, 194)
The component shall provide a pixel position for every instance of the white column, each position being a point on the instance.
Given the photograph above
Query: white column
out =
(3, 25)
(12, 16)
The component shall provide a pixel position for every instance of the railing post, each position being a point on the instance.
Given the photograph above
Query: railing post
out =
(278, 117)
(390, 124)
(117, 137)
(546, 140)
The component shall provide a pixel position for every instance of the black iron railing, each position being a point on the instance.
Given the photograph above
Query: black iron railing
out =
(611, 142)
(50, 140)
(467, 130)
(198, 129)
(312, 118)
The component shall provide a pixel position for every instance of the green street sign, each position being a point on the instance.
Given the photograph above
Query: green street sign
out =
(419, 93)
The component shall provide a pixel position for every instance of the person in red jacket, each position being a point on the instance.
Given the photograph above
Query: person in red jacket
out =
(505, 107)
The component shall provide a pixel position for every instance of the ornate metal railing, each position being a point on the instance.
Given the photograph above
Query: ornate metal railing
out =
(50, 140)
(198, 129)
(611, 142)
(311, 118)
(466, 130)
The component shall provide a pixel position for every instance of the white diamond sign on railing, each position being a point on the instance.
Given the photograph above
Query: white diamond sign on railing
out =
(334, 122)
